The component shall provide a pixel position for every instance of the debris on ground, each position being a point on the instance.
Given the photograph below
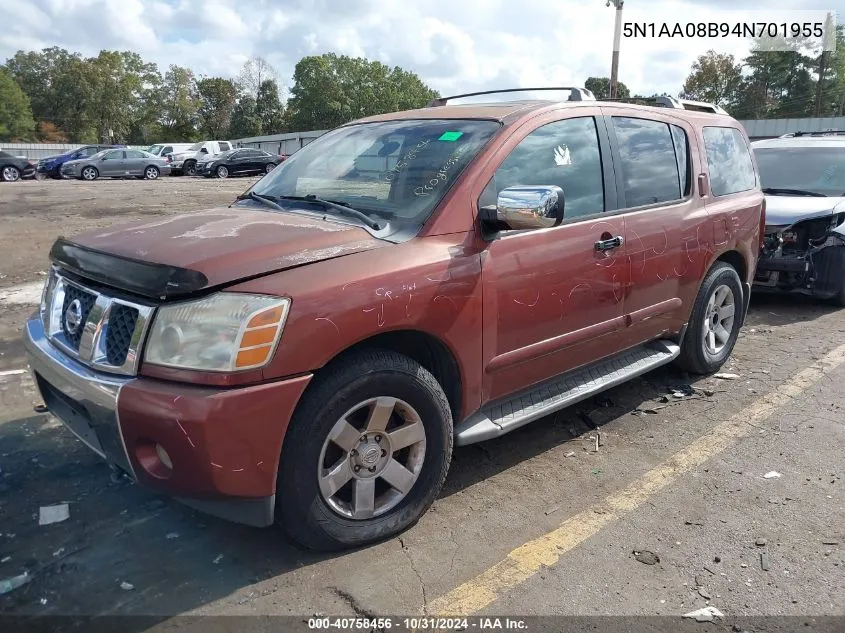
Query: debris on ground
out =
(43, 601)
(690, 522)
(652, 411)
(552, 510)
(705, 614)
(830, 542)
(764, 561)
(725, 376)
(596, 471)
(600, 439)
(53, 514)
(681, 391)
(127, 586)
(172, 536)
(760, 542)
(5, 559)
(12, 372)
(586, 419)
(570, 454)
(647, 557)
(772, 474)
(218, 559)
(59, 552)
(10, 584)
(703, 593)
(40, 408)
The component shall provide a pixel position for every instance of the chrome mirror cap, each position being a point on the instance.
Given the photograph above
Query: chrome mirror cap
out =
(530, 207)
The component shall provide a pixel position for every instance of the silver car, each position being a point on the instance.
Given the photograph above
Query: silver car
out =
(117, 163)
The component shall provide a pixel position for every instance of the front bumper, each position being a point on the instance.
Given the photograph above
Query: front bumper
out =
(203, 169)
(224, 444)
(176, 164)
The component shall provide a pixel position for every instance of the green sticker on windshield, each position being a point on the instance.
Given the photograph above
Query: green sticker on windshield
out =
(451, 136)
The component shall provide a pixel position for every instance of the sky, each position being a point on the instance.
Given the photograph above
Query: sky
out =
(455, 46)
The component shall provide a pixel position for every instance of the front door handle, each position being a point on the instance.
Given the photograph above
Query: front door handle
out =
(609, 244)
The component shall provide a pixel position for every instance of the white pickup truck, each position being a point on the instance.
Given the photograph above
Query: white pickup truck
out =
(186, 162)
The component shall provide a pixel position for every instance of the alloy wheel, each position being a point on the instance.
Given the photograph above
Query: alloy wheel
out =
(371, 458)
(719, 319)
(222, 172)
(89, 173)
(151, 173)
(11, 174)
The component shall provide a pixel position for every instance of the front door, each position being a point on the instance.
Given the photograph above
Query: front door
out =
(111, 164)
(553, 297)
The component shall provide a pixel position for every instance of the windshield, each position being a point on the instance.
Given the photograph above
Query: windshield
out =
(195, 147)
(816, 169)
(154, 149)
(397, 170)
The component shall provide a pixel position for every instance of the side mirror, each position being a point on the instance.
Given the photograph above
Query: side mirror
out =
(527, 207)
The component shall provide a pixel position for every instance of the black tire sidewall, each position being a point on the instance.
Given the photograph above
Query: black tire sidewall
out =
(219, 175)
(302, 510)
(189, 168)
(722, 274)
(11, 167)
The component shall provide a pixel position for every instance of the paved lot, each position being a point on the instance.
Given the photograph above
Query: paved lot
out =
(537, 522)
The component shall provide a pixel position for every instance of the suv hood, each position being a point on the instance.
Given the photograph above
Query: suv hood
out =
(787, 210)
(185, 254)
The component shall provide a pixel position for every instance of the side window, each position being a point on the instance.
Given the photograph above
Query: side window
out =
(114, 155)
(564, 153)
(729, 161)
(132, 153)
(225, 146)
(167, 150)
(90, 151)
(649, 164)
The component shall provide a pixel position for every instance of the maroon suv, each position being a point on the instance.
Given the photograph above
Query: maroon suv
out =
(310, 354)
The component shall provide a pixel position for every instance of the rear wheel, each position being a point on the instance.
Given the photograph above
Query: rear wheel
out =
(10, 173)
(269, 167)
(366, 453)
(90, 173)
(189, 168)
(222, 171)
(715, 321)
(151, 172)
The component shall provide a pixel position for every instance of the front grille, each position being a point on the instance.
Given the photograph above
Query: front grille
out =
(86, 301)
(121, 325)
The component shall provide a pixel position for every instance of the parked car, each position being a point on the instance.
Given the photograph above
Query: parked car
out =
(13, 168)
(803, 178)
(117, 163)
(52, 165)
(165, 149)
(237, 162)
(186, 162)
(311, 354)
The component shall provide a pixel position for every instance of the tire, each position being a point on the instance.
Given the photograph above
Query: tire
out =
(189, 168)
(10, 173)
(269, 167)
(89, 173)
(341, 394)
(704, 351)
(222, 171)
(151, 173)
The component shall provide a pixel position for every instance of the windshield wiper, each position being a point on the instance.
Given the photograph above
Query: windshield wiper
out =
(331, 204)
(267, 201)
(777, 191)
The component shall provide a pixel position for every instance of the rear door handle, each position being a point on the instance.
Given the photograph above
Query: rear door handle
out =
(606, 245)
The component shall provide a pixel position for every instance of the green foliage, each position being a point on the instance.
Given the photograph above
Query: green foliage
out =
(330, 90)
(715, 78)
(269, 109)
(600, 87)
(16, 122)
(245, 120)
(218, 97)
(179, 104)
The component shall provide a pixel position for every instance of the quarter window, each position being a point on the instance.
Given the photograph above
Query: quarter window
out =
(650, 166)
(729, 161)
(564, 153)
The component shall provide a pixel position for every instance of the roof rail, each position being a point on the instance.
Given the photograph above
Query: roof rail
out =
(819, 133)
(575, 94)
(666, 101)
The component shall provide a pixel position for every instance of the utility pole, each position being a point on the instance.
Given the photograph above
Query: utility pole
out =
(617, 38)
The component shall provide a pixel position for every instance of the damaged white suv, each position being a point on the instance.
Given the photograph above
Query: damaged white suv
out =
(803, 177)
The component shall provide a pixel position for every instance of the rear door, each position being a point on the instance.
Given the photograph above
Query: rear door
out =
(134, 162)
(666, 236)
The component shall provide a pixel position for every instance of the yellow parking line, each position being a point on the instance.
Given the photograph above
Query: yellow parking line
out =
(526, 560)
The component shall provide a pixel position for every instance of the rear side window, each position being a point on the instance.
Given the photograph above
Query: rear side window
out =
(729, 161)
(651, 171)
(224, 146)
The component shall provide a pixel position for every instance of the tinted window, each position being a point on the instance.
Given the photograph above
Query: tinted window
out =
(816, 169)
(225, 146)
(131, 153)
(682, 155)
(649, 164)
(564, 153)
(167, 150)
(729, 160)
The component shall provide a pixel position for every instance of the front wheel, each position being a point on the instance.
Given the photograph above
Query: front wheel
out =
(269, 167)
(10, 173)
(714, 324)
(366, 453)
(90, 173)
(189, 168)
(151, 173)
(222, 171)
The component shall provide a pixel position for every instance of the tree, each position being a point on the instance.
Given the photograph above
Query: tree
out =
(16, 122)
(600, 87)
(330, 90)
(218, 97)
(245, 121)
(269, 109)
(715, 78)
(49, 133)
(179, 102)
(255, 72)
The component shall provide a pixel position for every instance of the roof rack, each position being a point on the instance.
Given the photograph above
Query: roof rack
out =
(575, 94)
(819, 133)
(677, 104)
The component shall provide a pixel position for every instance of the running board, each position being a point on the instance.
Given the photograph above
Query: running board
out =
(497, 418)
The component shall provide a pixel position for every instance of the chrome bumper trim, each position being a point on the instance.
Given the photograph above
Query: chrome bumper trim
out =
(95, 392)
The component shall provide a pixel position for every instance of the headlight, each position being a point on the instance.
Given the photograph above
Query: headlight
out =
(224, 332)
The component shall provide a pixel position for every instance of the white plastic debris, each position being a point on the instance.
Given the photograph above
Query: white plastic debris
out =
(773, 474)
(10, 584)
(218, 559)
(53, 514)
(12, 372)
(127, 586)
(705, 614)
(726, 376)
(172, 536)
(570, 454)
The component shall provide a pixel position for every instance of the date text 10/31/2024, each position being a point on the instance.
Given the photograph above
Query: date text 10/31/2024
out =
(417, 624)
